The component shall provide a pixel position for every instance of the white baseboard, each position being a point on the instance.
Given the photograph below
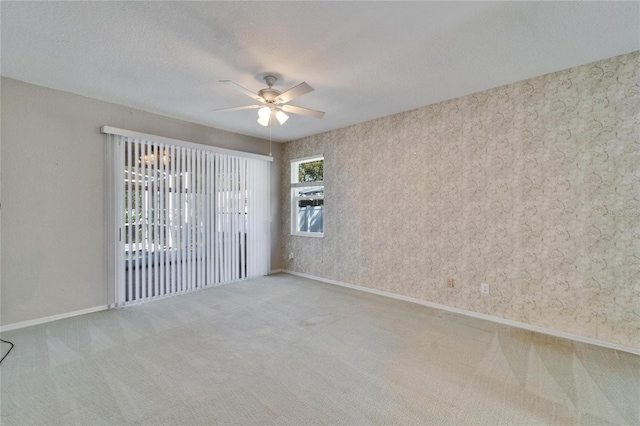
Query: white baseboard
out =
(277, 271)
(472, 314)
(57, 317)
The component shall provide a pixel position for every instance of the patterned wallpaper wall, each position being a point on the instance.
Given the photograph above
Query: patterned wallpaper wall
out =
(533, 187)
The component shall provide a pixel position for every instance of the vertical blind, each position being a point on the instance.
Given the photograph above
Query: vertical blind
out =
(184, 218)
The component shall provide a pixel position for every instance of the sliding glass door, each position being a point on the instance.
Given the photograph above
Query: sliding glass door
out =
(184, 218)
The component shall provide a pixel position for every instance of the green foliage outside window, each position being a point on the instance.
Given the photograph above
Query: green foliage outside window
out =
(311, 171)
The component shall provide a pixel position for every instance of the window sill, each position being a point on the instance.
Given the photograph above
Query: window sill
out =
(307, 234)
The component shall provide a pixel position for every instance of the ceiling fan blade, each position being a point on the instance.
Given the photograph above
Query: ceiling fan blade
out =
(242, 89)
(302, 111)
(294, 92)
(237, 108)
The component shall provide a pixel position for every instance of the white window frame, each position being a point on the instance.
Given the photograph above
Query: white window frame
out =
(295, 186)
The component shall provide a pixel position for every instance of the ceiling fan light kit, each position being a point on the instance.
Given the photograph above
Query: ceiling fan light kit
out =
(281, 117)
(273, 102)
(264, 115)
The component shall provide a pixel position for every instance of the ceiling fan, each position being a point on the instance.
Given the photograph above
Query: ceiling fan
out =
(273, 102)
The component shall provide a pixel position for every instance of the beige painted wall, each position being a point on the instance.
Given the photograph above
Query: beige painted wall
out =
(53, 202)
(533, 187)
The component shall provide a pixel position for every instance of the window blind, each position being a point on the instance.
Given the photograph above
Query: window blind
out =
(184, 217)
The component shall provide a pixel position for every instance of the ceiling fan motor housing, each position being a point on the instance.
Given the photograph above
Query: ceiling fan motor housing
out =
(269, 95)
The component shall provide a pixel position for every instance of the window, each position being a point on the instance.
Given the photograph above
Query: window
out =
(307, 196)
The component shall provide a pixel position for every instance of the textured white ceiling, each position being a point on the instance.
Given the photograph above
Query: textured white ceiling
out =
(365, 59)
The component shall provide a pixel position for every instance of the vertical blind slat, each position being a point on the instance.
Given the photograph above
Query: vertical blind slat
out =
(129, 240)
(162, 219)
(199, 224)
(229, 242)
(224, 241)
(217, 206)
(234, 235)
(186, 264)
(242, 217)
(154, 216)
(209, 203)
(182, 227)
(191, 168)
(194, 245)
(137, 229)
(144, 253)
(172, 217)
(121, 258)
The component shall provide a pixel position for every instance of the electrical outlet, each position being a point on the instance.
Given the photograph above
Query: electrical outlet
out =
(291, 256)
(484, 288)
(450, 282)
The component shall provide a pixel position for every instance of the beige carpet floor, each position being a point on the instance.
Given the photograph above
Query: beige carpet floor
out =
(286, 350)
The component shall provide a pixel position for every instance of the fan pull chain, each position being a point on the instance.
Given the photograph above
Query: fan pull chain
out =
(270, 137)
